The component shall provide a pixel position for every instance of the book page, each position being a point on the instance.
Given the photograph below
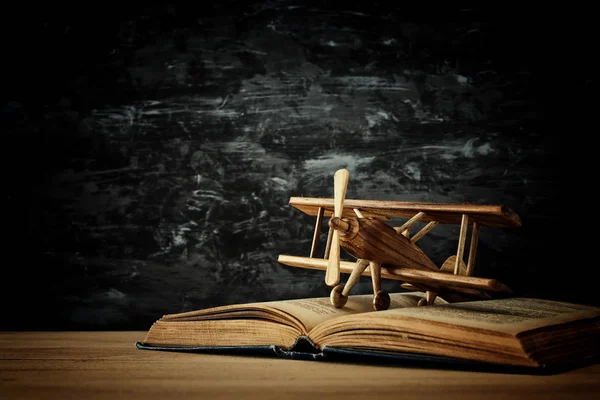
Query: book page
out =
(303, 314)
(317, 310)
(511, 315)
(487, 330)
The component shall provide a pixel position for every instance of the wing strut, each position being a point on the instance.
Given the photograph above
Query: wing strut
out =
(315, 242)
(473, 249)
(462, 238)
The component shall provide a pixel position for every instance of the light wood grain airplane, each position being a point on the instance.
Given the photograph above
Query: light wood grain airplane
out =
(383, 251)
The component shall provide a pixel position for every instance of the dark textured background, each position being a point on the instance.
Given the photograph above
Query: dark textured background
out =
(150, 151)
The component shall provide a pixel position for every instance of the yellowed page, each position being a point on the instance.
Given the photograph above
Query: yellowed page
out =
(480, 330)
(511, 315)
(235, 332)
(506, 317)
(317, 310)
(303, 314)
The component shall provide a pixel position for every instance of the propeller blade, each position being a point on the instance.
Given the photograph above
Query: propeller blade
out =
(332, 274)
(340, 182)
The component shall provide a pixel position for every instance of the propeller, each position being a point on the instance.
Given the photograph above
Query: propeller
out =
(340, 182)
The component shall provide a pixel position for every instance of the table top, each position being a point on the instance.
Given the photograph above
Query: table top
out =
(94, 365)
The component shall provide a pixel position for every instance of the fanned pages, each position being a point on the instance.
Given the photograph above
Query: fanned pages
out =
(514, 331)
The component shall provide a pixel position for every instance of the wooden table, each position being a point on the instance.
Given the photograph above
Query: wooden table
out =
(89, 365)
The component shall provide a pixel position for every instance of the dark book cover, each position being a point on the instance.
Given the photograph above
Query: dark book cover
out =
(304, 349)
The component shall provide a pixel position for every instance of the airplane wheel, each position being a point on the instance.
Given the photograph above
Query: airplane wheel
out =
(422, 302)
(381, 301)
(337, 298)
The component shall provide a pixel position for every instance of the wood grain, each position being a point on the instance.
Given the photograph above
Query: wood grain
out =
(106, 365)
(374, 240)
(462, 238)
(317, 233)
(444, 213)
(423, 231)
(473, 249)
(404, 274)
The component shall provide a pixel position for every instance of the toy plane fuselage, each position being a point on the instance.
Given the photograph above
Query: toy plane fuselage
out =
(374, 240)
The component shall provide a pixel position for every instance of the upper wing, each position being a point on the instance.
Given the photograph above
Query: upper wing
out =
(444, 213)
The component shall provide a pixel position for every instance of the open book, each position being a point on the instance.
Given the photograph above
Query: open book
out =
(512, 332)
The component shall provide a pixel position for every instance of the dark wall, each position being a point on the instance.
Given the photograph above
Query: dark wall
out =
(151, 152)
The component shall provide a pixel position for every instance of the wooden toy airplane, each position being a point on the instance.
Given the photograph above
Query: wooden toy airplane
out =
(383, 251)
